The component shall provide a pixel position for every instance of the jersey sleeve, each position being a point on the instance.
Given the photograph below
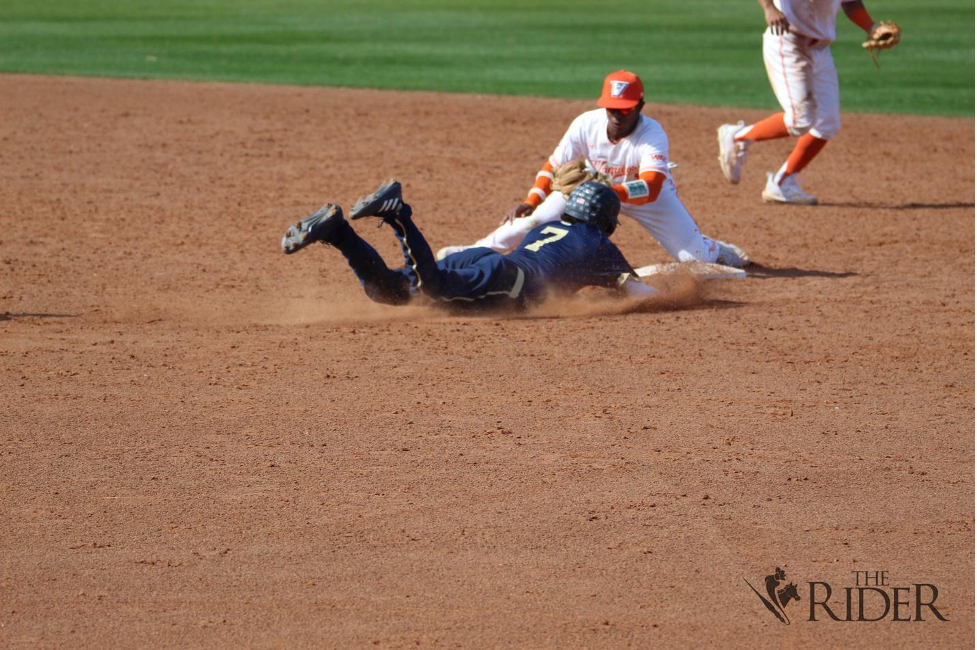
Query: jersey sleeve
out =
(644, 190)
(541, 188)
(654, 152)
(572, 146)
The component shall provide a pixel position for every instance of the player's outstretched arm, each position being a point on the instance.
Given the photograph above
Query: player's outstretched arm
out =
(644, 190)
(856, 12)
(775, 18)
(879, 35)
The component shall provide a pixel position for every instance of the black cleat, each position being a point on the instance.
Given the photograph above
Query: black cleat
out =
(318, 226)
(384, 203)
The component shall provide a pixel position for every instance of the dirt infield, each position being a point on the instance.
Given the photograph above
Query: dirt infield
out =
(207, 444)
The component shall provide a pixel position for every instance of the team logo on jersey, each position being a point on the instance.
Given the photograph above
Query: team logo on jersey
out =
(618, 88)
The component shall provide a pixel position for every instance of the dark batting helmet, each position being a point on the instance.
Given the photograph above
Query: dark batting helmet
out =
(595, 204)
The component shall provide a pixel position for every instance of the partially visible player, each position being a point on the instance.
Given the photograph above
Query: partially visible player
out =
(797, 55)
(618, 141)
(557, 258)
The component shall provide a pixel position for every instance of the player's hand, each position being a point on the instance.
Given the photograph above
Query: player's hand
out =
(521, 210)
(776, 20)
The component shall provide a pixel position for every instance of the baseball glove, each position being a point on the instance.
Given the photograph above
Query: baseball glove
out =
(882, 36)
(568, 176)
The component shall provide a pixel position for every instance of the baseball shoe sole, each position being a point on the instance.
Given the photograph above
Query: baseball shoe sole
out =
(385, 202)
(732, 154)
(318, 226)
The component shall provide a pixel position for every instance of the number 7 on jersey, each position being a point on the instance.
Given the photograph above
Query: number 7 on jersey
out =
(557, 234)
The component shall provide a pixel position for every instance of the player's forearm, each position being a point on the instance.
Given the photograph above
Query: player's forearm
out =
(766, 5)
(857, 13)
(541, 188)
(643, 190)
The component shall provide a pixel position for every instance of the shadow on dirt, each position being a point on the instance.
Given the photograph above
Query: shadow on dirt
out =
(767, 272)
(9, 316)
(657, 307)
(618, 308)
(903, 206)
(676, 292)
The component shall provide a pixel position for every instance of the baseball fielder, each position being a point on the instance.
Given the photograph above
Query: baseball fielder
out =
(619, 142)
(557, 257)
(797, 55)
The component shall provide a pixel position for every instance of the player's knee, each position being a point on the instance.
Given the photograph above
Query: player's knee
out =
(799, 122)
(798, 126)
(798, 131)
(826, 131)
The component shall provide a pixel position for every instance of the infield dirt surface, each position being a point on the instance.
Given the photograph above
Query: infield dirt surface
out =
(208, 444)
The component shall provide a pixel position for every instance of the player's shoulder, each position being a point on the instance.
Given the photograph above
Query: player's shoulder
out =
(588, 232)
(650, 128)
(573, 229)
(650, 133)
(591, 119)
(593, 115)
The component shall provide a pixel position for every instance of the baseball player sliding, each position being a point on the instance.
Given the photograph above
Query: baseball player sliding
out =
(557, 257)
(631, 150)
(797, 55)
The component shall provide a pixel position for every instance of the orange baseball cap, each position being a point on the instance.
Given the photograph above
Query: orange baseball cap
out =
(622, 89)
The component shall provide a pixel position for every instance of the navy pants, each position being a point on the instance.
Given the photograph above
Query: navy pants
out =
(474, 278)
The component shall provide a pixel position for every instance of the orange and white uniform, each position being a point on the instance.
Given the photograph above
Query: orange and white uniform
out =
(801, 69)
(638, 165)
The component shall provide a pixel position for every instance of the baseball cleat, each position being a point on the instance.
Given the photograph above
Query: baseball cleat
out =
(318, 226)
(385, 202)
(449, 250)
(731, 255)
(788, 191)
(732, 154)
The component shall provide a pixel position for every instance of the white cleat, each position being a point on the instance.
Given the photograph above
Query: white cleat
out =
(788, 191)
(732, 255)
(732, 154)
(450, 250)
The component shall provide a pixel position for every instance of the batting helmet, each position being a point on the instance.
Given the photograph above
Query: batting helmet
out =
(595, 204)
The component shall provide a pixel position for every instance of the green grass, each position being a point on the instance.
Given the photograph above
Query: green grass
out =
(688, 51)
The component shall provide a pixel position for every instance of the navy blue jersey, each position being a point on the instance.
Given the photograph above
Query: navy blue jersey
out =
(565, 257)
(554, 257)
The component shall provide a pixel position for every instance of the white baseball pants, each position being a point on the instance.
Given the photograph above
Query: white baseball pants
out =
(803, 77)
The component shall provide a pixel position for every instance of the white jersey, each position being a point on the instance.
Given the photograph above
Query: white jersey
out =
(812, 18)
(646, 149)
